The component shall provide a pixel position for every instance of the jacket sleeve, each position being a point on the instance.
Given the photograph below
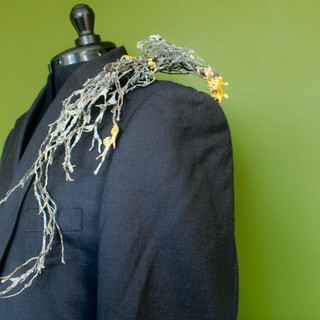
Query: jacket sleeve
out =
(166, 237)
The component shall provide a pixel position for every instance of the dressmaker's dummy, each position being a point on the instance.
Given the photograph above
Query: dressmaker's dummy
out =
(150, 235)
(88, 47)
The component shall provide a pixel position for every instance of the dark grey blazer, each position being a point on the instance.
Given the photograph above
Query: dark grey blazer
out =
(151, 236)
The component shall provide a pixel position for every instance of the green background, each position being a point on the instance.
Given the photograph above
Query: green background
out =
(268, 51)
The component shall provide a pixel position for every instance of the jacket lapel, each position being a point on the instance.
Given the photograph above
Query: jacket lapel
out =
(9, 210)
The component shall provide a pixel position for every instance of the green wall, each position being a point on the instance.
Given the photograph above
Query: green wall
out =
(268, 51)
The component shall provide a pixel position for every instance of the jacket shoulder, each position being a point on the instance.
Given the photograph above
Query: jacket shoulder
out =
(175, 92)
(170, 100)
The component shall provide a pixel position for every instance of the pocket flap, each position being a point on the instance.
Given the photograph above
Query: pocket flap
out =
(69, 220)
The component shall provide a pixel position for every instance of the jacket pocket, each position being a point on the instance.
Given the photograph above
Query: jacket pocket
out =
(69, 220)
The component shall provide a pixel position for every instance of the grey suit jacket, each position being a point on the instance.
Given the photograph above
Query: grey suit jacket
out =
(151, 236)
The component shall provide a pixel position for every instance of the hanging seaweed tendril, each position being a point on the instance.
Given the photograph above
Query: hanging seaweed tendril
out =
(112, 83)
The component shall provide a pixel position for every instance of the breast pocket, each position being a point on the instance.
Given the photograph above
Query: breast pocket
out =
(69, 220)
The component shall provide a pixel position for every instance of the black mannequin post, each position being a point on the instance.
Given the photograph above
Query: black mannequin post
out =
(88, 45)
